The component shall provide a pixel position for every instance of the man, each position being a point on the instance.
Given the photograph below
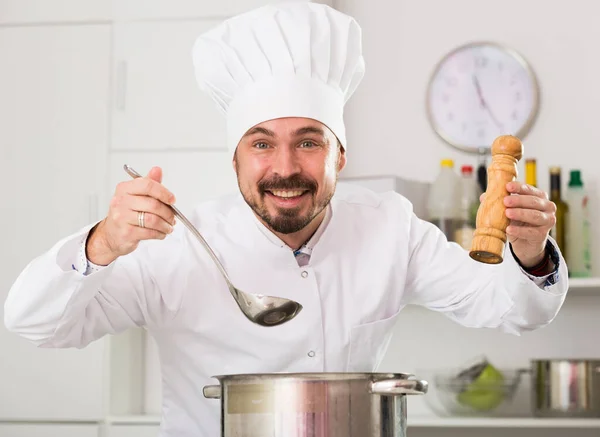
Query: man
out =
(281, 75)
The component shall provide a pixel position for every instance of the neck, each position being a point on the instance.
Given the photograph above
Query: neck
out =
(297, 239)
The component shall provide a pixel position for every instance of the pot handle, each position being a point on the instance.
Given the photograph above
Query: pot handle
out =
(212, 391)
(399, 387)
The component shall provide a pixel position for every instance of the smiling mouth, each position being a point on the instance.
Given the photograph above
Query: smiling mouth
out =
(287, 194)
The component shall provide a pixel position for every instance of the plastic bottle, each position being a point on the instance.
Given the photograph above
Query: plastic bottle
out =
(469, 193)
(577, 230)
(443, 202)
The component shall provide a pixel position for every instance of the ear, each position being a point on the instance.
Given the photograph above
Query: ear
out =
(234, 161)
(341, 159)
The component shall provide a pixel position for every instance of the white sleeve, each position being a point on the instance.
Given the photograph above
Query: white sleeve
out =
(442, 277)
(53, 304)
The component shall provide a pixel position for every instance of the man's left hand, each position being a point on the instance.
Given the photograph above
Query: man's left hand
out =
(531, 216)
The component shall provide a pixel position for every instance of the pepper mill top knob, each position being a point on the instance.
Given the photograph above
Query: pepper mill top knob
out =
(508, 145)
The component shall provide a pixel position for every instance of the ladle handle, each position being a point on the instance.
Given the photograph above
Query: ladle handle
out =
(134, 174)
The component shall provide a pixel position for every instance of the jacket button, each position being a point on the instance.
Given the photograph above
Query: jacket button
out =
(304, 273)
(311, 354)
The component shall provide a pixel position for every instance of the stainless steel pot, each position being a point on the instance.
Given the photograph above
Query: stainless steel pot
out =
(314, 404)
(566, 388)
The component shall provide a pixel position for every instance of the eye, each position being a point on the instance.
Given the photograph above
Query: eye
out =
(261, 145)
(307, 144)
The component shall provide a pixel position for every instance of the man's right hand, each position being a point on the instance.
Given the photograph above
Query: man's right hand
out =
(119, 233)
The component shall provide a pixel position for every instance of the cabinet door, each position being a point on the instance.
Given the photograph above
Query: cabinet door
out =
(42, 11)
(39, 430)
(144, 9)
(53, 145)
(157, 103)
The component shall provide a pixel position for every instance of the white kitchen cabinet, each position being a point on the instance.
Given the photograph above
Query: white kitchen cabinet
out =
(48, 430)
(82, 11)
(44, 11)
(157, 104)
(53, 144)
(133, 430)
(160, 9)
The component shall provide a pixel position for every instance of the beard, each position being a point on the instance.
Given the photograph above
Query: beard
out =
(286, 220)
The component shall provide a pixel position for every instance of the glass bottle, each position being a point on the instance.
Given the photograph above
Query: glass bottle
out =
(562, 210)
(531, 172)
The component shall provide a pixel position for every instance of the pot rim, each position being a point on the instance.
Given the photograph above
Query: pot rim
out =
(314, 376)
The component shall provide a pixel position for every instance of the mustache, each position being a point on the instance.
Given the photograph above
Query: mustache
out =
(293, 182)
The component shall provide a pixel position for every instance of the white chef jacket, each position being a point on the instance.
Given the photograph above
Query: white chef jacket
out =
(373, 257)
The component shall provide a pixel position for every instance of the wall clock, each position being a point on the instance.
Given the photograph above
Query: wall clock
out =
(479, 91)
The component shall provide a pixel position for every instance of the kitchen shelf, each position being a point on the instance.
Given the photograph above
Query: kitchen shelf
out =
(430, 422)
(584, 286)
(501, 422)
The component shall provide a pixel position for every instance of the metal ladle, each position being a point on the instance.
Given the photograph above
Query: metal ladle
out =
(260, 309)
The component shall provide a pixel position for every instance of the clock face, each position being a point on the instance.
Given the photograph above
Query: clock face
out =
(479, 92)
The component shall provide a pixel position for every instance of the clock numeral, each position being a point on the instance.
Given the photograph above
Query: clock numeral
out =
(451, 81)
(480, 61)
(518, 96)
(450, 116)
(515, 115)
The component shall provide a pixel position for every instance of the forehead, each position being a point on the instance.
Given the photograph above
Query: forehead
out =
(290, 127)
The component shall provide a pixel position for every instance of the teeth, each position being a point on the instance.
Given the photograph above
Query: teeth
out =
(287, 193)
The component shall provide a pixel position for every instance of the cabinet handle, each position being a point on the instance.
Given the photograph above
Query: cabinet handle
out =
(121, 85)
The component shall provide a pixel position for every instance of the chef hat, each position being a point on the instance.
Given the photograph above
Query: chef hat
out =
(288, 59)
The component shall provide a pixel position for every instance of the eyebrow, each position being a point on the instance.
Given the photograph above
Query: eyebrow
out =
(298, 132)
(260, 130)
(309, 130)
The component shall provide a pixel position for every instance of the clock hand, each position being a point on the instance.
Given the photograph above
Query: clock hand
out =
(484, 104)
(478, 88)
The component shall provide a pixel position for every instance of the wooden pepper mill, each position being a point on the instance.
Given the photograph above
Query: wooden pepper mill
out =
(489, 238)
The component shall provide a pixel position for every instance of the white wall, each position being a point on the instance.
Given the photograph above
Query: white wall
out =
(404, 39)
(389, 134)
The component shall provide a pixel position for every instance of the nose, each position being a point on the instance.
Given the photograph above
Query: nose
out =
(286, 162)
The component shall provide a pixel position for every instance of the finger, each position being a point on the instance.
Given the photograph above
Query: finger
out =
(151, 205)
(148, 187)
(151, 221)
(529, 202)
(529, 216)
(155, 174)
(531, 233)
(135, 233)
(515, 187)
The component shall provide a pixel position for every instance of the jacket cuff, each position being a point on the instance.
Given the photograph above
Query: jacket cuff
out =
(535, 272)
(82, 264)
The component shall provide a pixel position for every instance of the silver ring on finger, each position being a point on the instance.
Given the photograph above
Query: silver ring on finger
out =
(141, 219)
